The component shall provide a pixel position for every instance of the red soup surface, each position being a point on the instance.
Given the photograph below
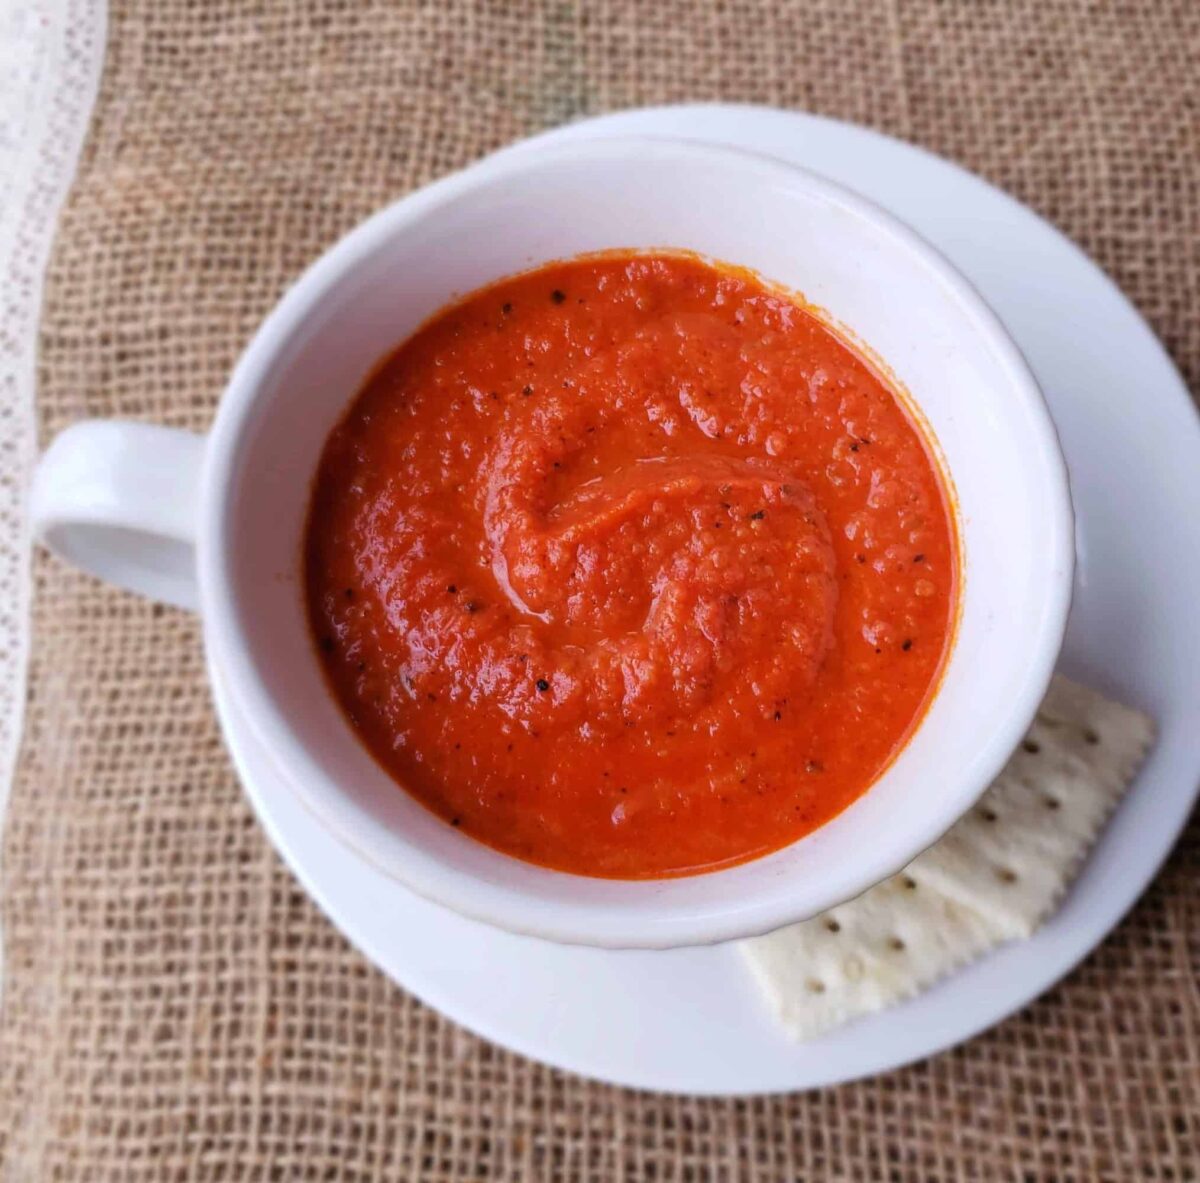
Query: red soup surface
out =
(631, 567)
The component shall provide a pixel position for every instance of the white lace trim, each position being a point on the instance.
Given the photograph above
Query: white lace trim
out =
(51, 56)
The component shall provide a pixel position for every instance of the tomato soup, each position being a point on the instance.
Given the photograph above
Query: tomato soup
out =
(630, 566)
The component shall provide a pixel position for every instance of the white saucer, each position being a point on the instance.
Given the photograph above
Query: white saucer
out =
(691, 1020)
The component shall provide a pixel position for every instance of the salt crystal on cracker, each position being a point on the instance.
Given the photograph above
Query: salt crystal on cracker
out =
(995, 876)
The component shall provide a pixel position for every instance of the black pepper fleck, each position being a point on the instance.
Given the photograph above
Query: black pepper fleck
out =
(452, 589)
(758, 515)
(506, 308)
(528, 390)
(918, 558)
(349, 593)
(543, 685)
(456, 821)
(907, 644)
(473, 606)
(557, 296)
(328, 644)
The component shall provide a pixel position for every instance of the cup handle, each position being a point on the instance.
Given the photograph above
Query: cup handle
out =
(119, 501)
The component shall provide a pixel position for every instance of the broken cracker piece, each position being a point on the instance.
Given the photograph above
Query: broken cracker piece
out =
(995, 876)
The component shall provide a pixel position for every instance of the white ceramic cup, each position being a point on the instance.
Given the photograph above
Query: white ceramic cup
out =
(217, 523)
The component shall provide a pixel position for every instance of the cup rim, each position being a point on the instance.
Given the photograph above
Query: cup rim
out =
(225, 637)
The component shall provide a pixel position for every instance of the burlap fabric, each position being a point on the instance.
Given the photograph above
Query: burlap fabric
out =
(174, 1007)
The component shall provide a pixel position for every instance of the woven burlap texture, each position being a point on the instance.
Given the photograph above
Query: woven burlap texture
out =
(175, 1008)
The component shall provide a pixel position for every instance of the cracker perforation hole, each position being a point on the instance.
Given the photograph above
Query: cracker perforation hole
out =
(1032, 746)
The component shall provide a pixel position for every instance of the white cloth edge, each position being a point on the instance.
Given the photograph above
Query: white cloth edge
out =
(51, 60)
